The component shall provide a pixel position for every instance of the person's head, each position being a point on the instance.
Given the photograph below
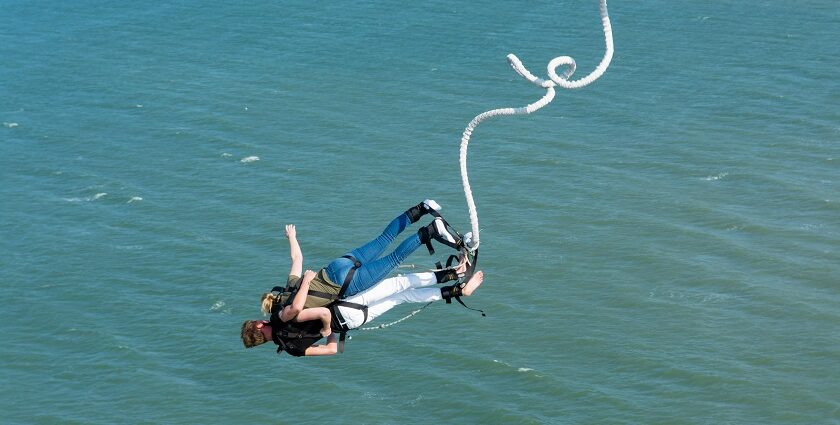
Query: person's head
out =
(267, 302)
(252, 333)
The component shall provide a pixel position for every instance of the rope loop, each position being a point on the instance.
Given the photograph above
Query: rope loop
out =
(555, 79)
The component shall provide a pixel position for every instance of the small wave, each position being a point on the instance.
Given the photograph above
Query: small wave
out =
(220, 307)
(717, 177)
(10, 124)
(712, 297)
(518, 369)
(134, 199)
(88, 199)
(249, 159)
(129, 247)
(226, 155)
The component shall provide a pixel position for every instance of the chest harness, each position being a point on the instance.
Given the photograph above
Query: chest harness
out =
(291, 330)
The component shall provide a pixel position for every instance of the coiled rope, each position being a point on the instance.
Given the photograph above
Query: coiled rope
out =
(555, 80)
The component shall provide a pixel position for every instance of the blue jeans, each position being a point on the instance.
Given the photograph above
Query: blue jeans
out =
(374, 269)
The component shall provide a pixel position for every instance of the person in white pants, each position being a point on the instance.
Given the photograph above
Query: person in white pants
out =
(394, 291)
(299, 339)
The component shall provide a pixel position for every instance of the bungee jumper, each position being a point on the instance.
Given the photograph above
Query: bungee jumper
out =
(345, 294)
(314, 306)
(299, 336)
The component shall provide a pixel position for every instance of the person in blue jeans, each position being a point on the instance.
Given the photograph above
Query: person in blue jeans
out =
(371, 266)
(365, 266)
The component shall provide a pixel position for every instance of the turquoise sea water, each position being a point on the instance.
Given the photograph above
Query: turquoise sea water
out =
(661, 247)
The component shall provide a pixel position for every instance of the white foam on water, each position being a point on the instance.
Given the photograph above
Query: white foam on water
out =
(717, 177)
(518, 369)
(129, 247)
(226, 155)
(88, 199)
(10, 124)
(134, 199)
(249, 159)
(221, 307)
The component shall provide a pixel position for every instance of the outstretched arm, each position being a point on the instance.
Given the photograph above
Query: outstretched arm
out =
(290, 311)
(317, 313)
(294, 250)
(323, 350)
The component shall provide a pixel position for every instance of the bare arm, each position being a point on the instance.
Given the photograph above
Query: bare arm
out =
(294, 250)
(289, 312)
(329, 349)
(317, 313)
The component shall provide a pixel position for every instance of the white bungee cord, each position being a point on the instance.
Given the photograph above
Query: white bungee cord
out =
(555, 80)
(472, 241)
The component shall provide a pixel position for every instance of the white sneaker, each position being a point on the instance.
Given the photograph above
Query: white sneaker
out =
(440, 229)
(430, 204)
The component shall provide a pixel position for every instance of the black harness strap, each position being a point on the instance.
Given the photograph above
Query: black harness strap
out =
(320, 294)
(281, 345)
(364, 308)
(458, 298)
(449, 292)
(349, 278)
(341, 337)
(343, 332)
(293, 335)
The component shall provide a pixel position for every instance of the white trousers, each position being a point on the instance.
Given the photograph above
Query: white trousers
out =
(389, 293)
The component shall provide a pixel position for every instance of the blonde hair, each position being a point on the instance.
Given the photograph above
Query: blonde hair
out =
(267, 302)
(251, 335)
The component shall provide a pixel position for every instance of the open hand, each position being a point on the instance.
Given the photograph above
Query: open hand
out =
(290, 231)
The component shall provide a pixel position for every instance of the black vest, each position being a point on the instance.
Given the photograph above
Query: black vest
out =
(293, 337)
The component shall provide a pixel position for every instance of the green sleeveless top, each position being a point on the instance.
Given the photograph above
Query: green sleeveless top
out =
(322, 290)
